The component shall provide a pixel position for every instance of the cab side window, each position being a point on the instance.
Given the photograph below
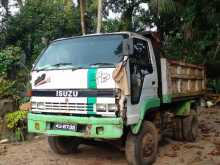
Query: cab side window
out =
(142, 54)
(140, 65)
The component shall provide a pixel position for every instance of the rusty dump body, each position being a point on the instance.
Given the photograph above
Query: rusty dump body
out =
(181, 80)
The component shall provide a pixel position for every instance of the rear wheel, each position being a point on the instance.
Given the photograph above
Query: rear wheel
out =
(178, 133)
(63, 145)
(186, 128)
(141, 149)
(190, 127)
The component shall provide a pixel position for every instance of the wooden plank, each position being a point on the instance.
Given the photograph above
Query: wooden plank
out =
(188, 77)
(185, 79)
(180, 63)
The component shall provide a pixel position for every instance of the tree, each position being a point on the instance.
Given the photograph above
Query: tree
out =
(99, 16)
(82, 12)
(5, 5)
(20, 3)
(39, 20)
(193, 33)
(127, 9)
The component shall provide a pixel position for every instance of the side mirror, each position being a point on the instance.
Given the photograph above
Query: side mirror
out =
(127, 47)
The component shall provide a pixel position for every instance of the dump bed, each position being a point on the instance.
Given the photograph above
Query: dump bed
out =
(181, 80)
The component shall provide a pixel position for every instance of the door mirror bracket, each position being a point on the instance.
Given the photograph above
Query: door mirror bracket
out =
(127, 47)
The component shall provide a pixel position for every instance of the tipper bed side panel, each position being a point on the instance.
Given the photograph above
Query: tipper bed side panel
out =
(180, 79)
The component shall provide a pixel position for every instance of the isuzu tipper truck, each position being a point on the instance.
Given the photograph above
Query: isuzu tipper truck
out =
(113, 86)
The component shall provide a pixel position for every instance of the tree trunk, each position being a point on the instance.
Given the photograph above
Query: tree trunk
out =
(20, 3)
(99, 16)
(82, 8)
(127, 19)
(5, 4)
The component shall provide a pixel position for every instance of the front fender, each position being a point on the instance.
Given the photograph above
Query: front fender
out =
(144, 108)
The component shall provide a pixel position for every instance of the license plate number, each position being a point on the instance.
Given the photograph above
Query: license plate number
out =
(70, 127)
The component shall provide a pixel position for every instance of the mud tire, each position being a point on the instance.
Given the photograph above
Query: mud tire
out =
(63, 145)
(190, 127)
(135, 150)
(186, 128)
(177, 132)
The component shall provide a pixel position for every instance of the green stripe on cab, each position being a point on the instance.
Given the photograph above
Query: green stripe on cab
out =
(91, 83)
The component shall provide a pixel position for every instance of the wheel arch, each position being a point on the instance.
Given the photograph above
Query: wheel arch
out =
(144, 108)
(184, 108)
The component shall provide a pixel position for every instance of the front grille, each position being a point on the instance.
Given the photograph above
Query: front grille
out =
(69, 108)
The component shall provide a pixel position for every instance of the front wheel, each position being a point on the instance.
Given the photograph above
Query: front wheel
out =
(63, 145)
(141, 149)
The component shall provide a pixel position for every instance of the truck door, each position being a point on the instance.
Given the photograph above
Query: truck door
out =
(143, 77)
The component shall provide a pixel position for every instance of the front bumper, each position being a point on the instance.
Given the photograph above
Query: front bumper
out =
(95, 127)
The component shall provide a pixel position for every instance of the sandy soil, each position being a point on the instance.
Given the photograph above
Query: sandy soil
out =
(206, 151)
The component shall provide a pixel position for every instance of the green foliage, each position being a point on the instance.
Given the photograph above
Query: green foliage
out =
(16, 119)
(127, 10)
(7, 88)
(163, 6)
(214, 85)
(111, 25)
(41, 20)
(191, 33)
(8, 57)
(30, 30)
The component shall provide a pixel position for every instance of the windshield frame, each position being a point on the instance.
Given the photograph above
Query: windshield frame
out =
(126, 35)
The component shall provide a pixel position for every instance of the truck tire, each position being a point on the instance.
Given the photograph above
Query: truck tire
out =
(186, 128)
(177, 131)
(141, 149)
(63, 145)
(190, 127)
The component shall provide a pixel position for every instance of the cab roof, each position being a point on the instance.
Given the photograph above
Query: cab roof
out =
(99, 34)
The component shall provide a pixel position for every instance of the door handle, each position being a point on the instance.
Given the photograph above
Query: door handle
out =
(153, 83)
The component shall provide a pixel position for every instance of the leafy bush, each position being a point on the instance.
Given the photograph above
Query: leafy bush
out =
(7, 88)
(16, 121)
(8, 57)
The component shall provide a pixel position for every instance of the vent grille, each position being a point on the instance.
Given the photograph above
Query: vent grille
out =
(69, 108)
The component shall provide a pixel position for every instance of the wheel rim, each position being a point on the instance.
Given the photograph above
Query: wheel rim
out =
(147, 145)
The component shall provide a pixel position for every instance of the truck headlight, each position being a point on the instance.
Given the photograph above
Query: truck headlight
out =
(40, 105)
(112, 107)
(33, 105)
(101, 107)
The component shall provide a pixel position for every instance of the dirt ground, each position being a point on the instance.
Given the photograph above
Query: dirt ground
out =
(206, 151)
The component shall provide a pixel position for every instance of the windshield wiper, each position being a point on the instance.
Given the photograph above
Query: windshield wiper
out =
(48, 67)
(51, 67)
(102, 64)
(62, 64)
(42, 69)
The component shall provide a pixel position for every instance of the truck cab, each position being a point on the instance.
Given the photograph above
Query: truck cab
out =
(98, 86)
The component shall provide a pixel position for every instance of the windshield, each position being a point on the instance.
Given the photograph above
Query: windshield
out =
(103, 50)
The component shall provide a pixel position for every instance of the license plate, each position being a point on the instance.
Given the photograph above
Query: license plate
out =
(70, 127)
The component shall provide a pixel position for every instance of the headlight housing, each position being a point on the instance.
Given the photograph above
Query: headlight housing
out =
(101, 107)
(106, 108)
(40, 105)
(33, 105)
(112, 107)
